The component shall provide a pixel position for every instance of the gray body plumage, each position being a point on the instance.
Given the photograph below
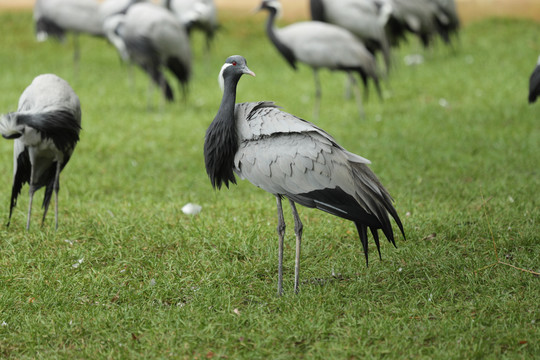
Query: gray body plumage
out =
(79, 16)
(154, 39)
(290, 157)
(45, 128)
(534, 83)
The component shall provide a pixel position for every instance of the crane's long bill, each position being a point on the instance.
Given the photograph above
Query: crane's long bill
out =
(248, 72)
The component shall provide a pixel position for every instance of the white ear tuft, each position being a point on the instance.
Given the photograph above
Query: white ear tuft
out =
(221, 80)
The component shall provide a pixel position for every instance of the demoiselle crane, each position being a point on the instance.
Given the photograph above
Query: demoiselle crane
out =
(321, 45)
(534, 83)
(364, 18)
(196, 14)
(45, 128)
(290, 157)
(152, 37)
(56, 17)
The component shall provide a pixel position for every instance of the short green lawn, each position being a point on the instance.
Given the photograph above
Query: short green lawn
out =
(128, 275)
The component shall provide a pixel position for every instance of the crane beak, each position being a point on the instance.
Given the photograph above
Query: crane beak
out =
(247, 71)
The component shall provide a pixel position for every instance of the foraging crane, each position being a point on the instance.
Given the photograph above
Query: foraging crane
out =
(290, 157)
(153, 38)
(364, 18)
(45, 128)
(56, 17)
(112, 14)
(196, 14)
(424, 18)
(534, 83)
(321, 45)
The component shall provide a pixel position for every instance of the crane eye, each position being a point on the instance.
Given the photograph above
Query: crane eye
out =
(234, 63)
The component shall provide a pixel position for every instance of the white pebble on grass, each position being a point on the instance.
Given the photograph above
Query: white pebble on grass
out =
(191, 209)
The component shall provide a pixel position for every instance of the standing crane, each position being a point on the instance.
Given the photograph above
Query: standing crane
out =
(290, 157)
(321, 45)
(56, 17)
(151, 37)
(45, 128)
(364, 18)
(534, 83)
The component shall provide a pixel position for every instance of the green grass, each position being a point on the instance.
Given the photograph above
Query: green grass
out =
(155, 283)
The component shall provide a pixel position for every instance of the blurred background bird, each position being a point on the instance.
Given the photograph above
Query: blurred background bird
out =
(154, 39)
(322, 45)
(199, 15)
(364, 18)
(534, 83)
(46, 129)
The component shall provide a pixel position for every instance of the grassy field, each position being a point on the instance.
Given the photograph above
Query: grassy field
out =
(128, 275)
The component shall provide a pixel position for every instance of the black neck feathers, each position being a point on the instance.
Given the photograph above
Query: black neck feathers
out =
(317, 10)
(221, 141)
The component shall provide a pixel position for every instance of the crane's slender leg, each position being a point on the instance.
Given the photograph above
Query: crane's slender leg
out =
(317, 104)
(56, 189)
(348, 87)
(298, 227)
(357, 94)
(31, 193)
(281, 234)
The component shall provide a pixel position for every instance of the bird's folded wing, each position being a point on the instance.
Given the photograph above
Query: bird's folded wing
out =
(265, 118)
(294, 163)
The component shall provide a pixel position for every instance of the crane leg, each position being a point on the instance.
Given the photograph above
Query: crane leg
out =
(281, 234)
(298, 227)
(357, 95)
(31, 193)
(56, 189)
(317, 104)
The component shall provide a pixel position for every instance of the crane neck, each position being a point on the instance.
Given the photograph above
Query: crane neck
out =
(285, 51)
(228, 101)
(221, 140)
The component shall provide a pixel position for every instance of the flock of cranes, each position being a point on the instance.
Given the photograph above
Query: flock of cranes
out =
(276, 151)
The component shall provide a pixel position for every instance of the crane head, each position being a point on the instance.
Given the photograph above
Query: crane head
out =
(235, 65)
(270, 5)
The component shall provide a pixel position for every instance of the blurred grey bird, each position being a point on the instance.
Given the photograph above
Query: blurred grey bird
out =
(364, 18)
(196, 14)
(534, 83)
(152, 37)
(321, 45)
(53, 18)
(424, 18)
(45, 128)
(290, 157)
